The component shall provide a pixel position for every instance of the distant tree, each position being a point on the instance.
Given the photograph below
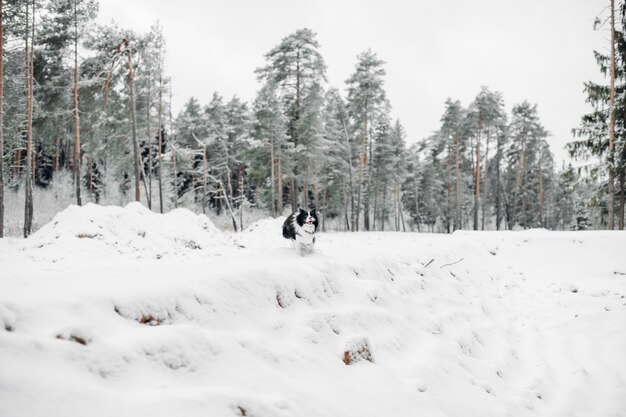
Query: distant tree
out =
(527, 155)
(452, 131)
(485, 111)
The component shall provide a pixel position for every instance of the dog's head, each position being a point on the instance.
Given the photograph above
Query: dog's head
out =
(307, 217)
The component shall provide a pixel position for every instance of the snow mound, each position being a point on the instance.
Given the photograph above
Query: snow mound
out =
(133, 229)
(264, 233)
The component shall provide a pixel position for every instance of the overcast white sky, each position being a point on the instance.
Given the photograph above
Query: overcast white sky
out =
(535, 50)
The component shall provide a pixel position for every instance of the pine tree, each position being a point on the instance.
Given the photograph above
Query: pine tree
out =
(270, 132)
(525, 162)
(297, 69)
(366, 102)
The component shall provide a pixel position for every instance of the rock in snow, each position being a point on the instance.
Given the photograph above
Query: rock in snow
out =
(121, 311)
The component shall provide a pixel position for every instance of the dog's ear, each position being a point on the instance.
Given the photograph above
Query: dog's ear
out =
(301, 209)
(314, 211)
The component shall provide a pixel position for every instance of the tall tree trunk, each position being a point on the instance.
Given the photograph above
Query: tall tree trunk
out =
(363, 191)
(324, 202)
(57, 151)
(149, 142)
(160, 147)
(204, 179)
(133, 119)
(477, 174)
(611, 156)
(272, 175)
(1, 119)
(518, 180)
(417, 207)
(498, 190)
(279, 207)
(349, 148)
(28, 200)
(399, 197)
(240, 172)
(449, 205)
(541, 197)
(345, 203)
(76, 155)
(457, 163)
(486, 181)
(376, 192)
(172, 145)
(622, 180)
(90, 176)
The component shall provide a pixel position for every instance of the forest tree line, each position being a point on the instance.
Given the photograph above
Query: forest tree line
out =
(92, 103)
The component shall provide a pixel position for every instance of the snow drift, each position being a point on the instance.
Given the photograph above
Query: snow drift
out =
(490, 324)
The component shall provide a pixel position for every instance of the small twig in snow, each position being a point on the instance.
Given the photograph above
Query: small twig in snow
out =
(619, 273)
(429, 262)
(456, 262)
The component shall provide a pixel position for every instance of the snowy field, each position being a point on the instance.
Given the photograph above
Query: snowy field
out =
(124, 312)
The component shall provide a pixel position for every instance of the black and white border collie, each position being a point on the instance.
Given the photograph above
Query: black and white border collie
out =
(300, 228)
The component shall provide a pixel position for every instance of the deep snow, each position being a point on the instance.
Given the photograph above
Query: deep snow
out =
(120, 311)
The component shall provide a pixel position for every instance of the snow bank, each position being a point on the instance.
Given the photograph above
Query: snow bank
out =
(473, 324)
(94, 230)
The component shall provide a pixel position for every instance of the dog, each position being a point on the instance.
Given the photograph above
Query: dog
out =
(300, 228)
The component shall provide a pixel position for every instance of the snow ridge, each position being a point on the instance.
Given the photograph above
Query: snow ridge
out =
(482, 324)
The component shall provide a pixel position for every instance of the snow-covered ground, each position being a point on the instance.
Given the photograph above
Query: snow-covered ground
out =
(124, 312)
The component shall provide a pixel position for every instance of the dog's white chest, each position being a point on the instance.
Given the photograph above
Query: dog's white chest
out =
(305, 237)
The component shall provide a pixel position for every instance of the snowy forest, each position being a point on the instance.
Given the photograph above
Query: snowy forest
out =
(87, 117)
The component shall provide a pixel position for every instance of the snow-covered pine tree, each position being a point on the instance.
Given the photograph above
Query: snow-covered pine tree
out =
(524, 160)
(484, 112)
(297, 69)
(366, 102)
(452, 133)
(601, 136)
(269, 131)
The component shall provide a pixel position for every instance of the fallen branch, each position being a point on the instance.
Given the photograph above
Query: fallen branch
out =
(429, 262)
(456, 262)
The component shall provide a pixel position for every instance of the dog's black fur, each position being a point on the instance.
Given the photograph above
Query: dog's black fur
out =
(301, 226)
